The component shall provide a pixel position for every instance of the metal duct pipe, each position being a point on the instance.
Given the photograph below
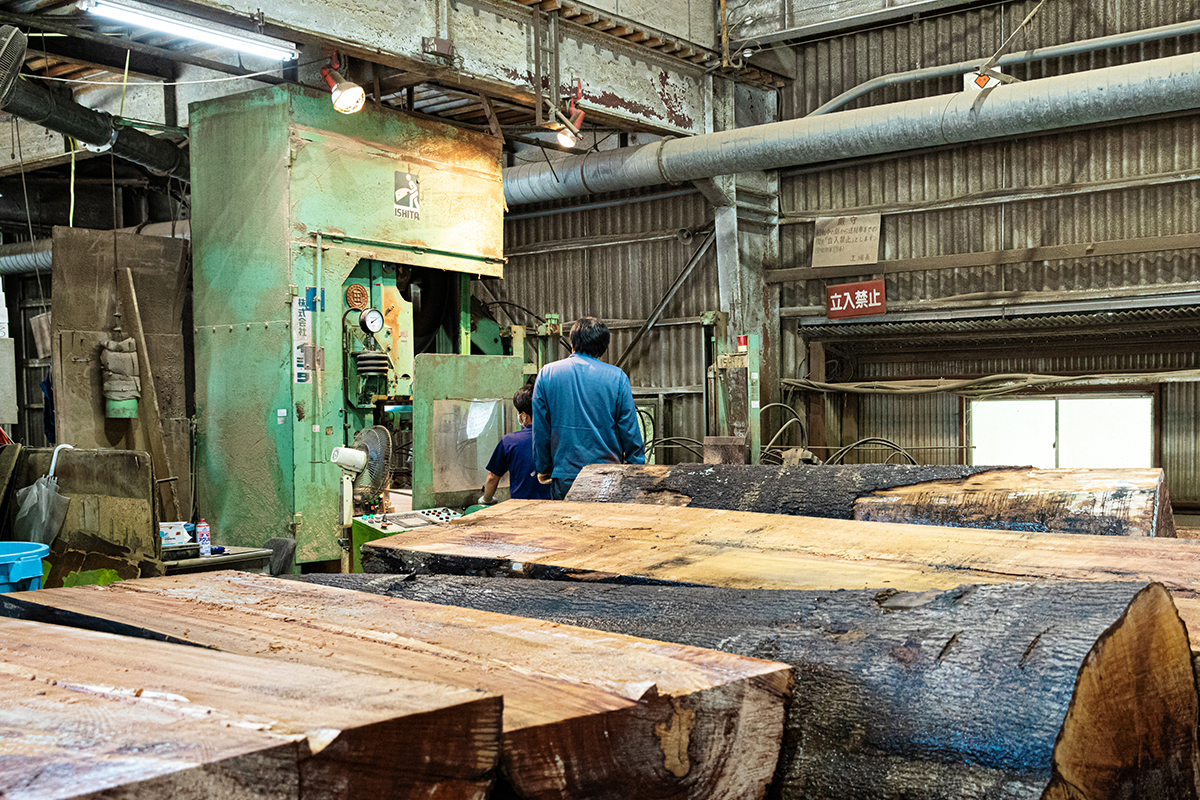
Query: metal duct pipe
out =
(37, 104)
(1024, 57)
(25, 256)
(1102, 95)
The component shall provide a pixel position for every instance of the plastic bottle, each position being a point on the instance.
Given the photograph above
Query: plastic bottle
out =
(203, 538)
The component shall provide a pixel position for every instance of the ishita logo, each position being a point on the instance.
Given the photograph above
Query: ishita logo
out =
(408, 195)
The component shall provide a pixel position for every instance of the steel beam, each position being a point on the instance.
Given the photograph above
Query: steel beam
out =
(624, 84)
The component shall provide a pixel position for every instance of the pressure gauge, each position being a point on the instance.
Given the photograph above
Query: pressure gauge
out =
(371, 320)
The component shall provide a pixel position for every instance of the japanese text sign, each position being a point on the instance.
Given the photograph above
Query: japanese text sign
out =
(844, 241)
(855, 300)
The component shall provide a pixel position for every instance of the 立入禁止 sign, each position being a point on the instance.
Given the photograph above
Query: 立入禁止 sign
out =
(862, 299)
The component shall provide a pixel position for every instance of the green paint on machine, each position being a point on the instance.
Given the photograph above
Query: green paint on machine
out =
(292, 203)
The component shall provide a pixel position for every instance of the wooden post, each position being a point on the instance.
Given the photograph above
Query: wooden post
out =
(148, 407)
(817, 437)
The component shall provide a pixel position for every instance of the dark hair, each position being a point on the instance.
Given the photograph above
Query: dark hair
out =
(589, 336)
(523, 399)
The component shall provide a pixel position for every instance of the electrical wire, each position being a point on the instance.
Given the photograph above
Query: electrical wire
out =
(37, 271)
(784, 427)
(840, 454)
(991, 385)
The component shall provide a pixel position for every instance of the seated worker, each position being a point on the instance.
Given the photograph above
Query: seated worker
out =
(515, 454)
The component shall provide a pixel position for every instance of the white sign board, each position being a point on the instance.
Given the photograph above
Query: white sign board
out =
(844, 241)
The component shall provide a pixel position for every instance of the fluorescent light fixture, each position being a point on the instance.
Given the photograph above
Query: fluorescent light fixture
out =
(183, 26)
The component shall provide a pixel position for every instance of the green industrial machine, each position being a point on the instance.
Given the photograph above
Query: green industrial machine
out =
(333, 256)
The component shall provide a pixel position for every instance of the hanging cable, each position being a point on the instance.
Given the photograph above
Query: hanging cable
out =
(840, 454)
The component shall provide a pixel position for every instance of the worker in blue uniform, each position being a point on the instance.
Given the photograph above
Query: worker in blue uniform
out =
(514, 454)
(583, 412)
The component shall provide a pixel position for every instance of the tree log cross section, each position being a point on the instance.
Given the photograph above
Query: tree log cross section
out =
(586, 714)
(1020, 690)
(86, 714)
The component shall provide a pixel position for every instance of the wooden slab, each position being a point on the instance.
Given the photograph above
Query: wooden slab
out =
(1125, 502)
(586, 714)
(640, 544)
(86, 714)
(977, 692)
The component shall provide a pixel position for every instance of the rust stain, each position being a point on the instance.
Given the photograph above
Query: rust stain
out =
(300, 411)
(674, 738)
(672, 100)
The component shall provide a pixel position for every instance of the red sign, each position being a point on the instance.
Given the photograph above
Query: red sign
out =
(863, 299)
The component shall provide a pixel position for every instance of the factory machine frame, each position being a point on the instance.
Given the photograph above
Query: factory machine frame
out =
(330, 251)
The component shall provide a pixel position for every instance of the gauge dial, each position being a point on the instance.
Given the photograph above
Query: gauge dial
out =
(371, 320)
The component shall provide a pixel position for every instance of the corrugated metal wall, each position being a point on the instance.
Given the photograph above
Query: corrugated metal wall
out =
(1160, 154)
(933, 421)
(1117, 182)
(622, 284)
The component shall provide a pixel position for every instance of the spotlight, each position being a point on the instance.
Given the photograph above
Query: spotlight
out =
(348, 97)
(569, 133)
(566, 138)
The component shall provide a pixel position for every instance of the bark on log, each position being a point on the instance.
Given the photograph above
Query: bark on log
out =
(1080, 690)
(87, 714)
(586, 714)
(627, 543)
(1129, 502)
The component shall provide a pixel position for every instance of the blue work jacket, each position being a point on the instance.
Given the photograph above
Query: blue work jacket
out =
(583, 413)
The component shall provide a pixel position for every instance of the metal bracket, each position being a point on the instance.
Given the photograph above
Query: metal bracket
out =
(437, 47)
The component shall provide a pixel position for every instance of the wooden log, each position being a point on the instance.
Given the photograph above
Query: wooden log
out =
(980, 691)
(586, 714)
(1129, 502)
(86, 714)
(627, 543)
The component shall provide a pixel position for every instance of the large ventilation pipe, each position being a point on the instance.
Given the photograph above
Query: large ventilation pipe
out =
(35, 103)
(1102, 95)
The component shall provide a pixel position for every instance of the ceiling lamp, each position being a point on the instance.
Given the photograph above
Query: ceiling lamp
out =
(348, 96)
(170, 22)
(572, 121)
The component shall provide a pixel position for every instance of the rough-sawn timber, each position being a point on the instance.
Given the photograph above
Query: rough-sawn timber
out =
(1080, 690)
(86, 714)
(1108, 502)
(586, 714)
(628, 543)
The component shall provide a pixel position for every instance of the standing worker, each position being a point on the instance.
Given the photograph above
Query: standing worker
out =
(515, 454)
(583, 412)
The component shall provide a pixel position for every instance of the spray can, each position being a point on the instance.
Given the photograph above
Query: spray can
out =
(203, 538)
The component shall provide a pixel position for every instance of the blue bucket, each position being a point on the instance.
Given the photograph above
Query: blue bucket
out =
(21, 566)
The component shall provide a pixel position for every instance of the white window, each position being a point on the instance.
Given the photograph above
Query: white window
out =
(1106, 431)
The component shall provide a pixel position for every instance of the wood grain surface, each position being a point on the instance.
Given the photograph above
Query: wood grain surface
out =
(85, 713)
(631, 543)
(586, 714)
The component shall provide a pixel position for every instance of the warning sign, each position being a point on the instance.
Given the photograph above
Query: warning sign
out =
(862, 299)
(845, 241)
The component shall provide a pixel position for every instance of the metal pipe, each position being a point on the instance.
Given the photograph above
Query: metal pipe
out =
(1102, 95)
(36, 104)
(624, 201)
(1024, 57)
(666, 298)
(25, 256)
